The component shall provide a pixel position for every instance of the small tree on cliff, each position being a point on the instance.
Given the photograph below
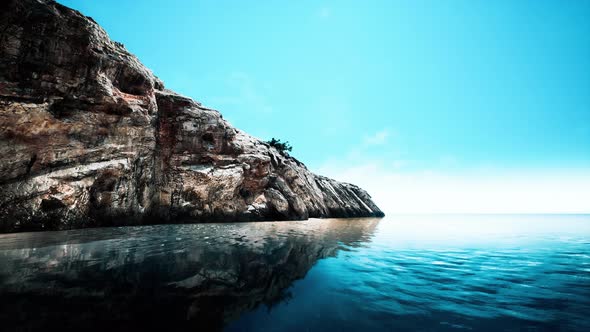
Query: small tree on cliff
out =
(283, 147)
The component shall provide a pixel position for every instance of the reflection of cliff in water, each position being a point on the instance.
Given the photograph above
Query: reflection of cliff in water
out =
(189, 276)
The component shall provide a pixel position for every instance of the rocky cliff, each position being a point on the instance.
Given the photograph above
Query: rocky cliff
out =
(90, 137)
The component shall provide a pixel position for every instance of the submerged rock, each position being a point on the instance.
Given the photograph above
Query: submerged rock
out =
(90, 137)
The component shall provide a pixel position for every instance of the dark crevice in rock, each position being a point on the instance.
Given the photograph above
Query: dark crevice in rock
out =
(51, 204)
(31, 163)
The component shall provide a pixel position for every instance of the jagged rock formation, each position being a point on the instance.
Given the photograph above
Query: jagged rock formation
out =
(90, 137)
(164, 277)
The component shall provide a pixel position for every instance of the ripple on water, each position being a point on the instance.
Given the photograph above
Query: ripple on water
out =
(323, 275)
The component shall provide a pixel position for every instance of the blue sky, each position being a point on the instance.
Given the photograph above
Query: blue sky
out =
(463, 89)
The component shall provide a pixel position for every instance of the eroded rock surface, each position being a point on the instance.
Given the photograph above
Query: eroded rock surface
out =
(90, 137)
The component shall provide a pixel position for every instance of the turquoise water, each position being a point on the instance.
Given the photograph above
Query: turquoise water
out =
(401, 273)
(484, 273)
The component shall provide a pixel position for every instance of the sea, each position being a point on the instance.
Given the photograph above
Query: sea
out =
(398, 273)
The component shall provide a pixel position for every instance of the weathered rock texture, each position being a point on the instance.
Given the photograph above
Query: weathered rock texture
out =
(90, 137)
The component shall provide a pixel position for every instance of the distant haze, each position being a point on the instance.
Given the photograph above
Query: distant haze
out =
(496, 192)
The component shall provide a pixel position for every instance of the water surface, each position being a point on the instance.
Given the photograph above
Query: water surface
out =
(402, 273)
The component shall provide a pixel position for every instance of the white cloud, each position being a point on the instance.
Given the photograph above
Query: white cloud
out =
(499, 192)
(401, 186)
(244, 93)
(377, 138)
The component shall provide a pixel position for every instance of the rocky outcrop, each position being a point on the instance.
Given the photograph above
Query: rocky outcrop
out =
(160, 278)
(90, 137)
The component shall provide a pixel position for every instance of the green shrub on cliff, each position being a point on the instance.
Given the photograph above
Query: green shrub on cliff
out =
(281, 146)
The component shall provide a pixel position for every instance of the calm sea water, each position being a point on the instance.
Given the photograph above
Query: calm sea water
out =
(401, 273)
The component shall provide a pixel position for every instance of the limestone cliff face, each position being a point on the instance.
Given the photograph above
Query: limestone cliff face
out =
(90, 137)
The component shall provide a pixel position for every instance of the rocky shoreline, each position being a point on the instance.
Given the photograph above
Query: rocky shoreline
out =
(89, 137)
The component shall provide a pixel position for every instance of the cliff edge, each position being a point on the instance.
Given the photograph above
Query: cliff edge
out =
(90, 137)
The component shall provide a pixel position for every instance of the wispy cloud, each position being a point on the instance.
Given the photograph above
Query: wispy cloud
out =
(377, 138)
(243, 92)
(401, 185)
